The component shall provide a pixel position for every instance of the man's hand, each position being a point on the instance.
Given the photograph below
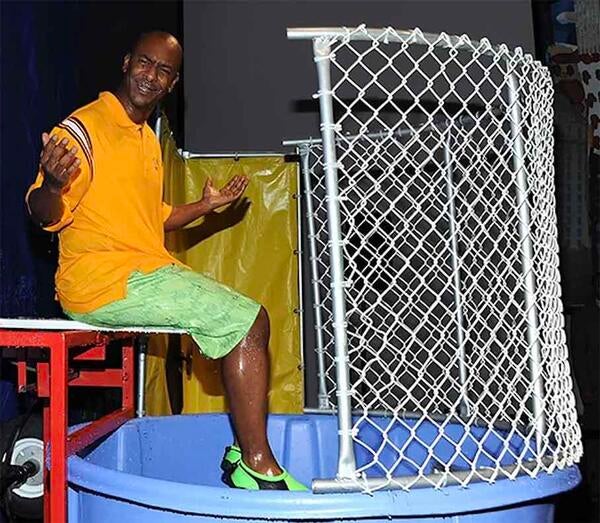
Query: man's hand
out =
(212, 199)
(59, 164)
(215, 198)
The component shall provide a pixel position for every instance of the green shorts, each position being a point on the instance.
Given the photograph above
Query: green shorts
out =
(215, 316)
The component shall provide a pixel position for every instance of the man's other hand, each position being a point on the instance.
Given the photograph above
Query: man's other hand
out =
(59, 162)
(215, 198)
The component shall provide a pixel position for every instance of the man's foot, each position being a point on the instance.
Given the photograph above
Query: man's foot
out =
(245, 478)
(231, 458)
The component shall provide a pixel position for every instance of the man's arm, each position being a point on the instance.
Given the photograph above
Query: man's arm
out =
(58, 164)
(212, 199)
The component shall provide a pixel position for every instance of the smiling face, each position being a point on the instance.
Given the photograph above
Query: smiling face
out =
(150, 71)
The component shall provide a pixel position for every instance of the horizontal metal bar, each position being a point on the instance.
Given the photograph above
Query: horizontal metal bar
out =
(92, 354)
(97, 378)
(24, 365)
(87, 435)
(306, 141)
(190, 156)
(68, 325)
(440, 125)
(381, 34)
(439, 479)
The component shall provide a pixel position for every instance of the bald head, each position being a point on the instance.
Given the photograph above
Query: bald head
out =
(163, 39)
(150, 71)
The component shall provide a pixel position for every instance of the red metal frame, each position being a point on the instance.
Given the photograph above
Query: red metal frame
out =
(53, 380)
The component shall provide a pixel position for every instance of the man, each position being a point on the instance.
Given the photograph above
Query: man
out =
(100, 187)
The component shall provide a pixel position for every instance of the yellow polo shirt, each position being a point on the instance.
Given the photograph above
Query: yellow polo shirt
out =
(113, 210)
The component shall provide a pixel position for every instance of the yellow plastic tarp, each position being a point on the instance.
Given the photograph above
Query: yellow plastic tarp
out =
(250, 246)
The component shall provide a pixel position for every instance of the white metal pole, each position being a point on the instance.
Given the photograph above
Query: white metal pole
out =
(141, 395)
(314, 273)
(533, 338)
(460, 333)
(346, 459)
(299, 257)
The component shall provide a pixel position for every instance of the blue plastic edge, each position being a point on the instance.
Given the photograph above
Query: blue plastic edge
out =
(202, 500)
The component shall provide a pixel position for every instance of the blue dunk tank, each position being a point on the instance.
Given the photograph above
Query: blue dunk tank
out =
(444, 383)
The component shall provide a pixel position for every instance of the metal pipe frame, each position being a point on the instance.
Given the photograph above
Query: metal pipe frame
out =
(323, 39)
(299, 258)
(304, 153)
(437, 479)
(53, 381)
(440, 125)
(140, 410)
(336, 486)
(465, 409)
(533, 335)
(70, 325)
(385, 35)
(346, 459)
(186, 155)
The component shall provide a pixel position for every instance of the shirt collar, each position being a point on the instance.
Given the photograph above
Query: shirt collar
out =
(117, 110)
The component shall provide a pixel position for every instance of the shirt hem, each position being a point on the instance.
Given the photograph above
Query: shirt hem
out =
(118, 292)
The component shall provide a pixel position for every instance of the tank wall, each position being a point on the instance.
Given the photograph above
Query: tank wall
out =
(86, 507)
(163, 468)
(188, 451)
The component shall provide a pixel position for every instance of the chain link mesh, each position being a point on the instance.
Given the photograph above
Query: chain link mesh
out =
(438, 321)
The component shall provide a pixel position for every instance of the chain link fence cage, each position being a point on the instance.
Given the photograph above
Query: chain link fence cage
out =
(434, 257)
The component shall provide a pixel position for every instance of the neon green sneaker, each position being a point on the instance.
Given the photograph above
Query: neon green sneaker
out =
(231, 458)
(245, 478)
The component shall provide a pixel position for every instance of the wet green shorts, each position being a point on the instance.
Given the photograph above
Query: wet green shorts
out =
(216, 316)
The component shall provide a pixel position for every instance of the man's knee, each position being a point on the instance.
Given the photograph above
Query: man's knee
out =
(262, 321)
(258, 335)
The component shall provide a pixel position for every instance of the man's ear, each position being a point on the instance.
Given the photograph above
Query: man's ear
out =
(175, 80)
(126, 61)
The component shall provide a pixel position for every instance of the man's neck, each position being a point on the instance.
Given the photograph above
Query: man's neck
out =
(137, 115)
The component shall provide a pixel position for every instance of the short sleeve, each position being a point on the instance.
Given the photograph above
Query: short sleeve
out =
(166, 211)
(74, 192)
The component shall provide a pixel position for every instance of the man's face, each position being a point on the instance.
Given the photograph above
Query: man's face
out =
(151, 71)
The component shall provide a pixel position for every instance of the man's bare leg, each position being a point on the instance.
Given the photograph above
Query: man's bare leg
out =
(246, 381)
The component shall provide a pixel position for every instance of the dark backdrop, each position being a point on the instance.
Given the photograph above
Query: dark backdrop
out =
(247, 87)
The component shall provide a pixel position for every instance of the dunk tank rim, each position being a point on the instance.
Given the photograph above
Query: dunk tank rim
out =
(166, 469)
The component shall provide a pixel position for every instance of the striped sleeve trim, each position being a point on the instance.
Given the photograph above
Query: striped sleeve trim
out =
(78, 131)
